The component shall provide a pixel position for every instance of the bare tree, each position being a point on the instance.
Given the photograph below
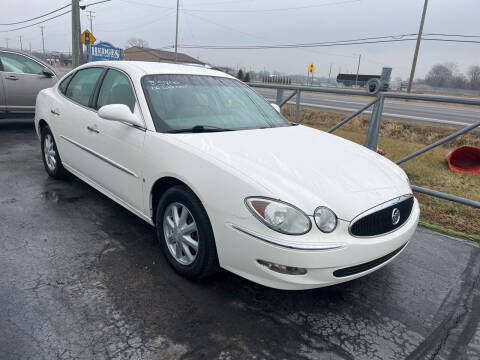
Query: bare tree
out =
(137, 42)
(439, 75)
(474, 76)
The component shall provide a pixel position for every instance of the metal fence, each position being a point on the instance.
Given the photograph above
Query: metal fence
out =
(376, 90)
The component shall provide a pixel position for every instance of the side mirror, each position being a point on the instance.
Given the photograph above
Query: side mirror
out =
(276, 107)
(48, 73)
(121, 113)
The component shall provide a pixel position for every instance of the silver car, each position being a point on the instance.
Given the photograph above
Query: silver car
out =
(22, 76)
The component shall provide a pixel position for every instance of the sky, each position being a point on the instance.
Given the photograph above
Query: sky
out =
(267, 22)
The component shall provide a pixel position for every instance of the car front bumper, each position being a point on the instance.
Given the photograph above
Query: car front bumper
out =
(240, 250)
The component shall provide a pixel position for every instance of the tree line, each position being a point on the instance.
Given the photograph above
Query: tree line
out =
(447, 75)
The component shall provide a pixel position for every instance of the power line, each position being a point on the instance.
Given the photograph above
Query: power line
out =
(452, 35)
(246, 10)
(254, 36)
(312, 45)
(52, 18)
(39, 22)
(38, 17)
(272, 9)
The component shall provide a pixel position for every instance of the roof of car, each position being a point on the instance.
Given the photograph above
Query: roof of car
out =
(146, 68)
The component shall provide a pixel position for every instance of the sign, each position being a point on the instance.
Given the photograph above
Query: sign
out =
(88, 38)
(311, 68)
(105, 51)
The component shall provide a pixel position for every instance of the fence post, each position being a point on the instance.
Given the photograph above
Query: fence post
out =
(375, 123)
(297, 106)
(371, 141)
(279, 99)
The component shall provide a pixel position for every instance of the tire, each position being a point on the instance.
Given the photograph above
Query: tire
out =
(51, 157)
(190, 262)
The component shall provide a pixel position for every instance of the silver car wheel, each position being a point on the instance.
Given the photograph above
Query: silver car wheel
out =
(181, 233)
(49, 152)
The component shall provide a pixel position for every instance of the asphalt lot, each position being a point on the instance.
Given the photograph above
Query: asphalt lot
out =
(82, 278)
(437, 113)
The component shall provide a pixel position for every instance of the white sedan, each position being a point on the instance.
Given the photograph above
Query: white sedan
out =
(225, 179)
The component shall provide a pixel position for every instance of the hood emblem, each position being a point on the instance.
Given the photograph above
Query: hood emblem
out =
(395, 216)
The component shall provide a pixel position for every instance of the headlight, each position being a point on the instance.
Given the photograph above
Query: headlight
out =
(325, 219)
(279, 216)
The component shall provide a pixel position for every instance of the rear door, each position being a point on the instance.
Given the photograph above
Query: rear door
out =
(3, 108)
(73, 116)
(22, 79)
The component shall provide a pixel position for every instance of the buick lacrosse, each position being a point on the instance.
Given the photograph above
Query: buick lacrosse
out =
(225, 179)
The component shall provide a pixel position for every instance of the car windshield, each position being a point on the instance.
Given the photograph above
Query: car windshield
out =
(182, 102)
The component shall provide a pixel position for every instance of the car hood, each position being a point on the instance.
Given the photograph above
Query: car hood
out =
(307, 167)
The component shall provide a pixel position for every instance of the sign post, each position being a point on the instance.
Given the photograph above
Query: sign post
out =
(311, 69)
(88, 39)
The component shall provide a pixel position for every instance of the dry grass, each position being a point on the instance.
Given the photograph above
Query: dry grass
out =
(428, 170)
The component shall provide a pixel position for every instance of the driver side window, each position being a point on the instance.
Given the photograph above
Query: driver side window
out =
(19, 64)
(116, 89)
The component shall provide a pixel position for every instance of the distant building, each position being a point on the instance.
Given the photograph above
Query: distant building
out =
(350, 79)
(136, 53)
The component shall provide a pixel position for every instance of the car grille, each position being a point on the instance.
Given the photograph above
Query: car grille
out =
(380, 222)
(352, 270)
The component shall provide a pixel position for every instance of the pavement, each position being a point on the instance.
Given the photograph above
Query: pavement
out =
(437, 113)
(82, 278)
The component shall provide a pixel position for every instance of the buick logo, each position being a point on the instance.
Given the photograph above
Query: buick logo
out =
(395, 216)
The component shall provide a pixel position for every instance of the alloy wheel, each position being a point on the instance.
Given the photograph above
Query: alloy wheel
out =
(49, 152)
(181, 233)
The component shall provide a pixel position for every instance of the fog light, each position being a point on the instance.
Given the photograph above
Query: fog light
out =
(283, 269)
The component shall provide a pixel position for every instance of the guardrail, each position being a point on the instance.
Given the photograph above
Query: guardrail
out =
(376, 89)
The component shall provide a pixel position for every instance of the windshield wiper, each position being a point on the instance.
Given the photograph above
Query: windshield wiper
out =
(199, 129)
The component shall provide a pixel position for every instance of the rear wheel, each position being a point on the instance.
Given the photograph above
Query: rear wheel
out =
(185, 233)
(51, 158)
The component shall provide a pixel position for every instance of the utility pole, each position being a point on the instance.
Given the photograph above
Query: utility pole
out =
(6, 41)
(30, 46)
(176, 33)
(329, 74)
(77, 49)
(358, 69)
(417, 47)
(21, 45)
(90, 17)
(43, 42)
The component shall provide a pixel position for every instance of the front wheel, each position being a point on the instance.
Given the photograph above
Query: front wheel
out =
(185, 233)
(51, 158)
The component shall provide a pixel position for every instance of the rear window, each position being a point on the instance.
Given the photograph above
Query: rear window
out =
(63, 85)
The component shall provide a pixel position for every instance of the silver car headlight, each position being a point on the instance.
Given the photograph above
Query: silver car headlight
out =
(325, 219)
(279, 216)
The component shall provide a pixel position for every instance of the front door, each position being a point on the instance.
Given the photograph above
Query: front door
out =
(22, 78)
(119, 145)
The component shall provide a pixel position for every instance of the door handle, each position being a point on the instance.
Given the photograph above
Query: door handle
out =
(11, 77)
(93, 129)
(54, 112)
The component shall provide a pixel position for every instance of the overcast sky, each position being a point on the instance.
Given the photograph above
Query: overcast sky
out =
(268, 22)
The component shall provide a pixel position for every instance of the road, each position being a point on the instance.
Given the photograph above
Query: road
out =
(448, 114)
(82, 278)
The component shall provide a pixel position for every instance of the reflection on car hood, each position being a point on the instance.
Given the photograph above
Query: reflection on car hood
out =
(307, 167)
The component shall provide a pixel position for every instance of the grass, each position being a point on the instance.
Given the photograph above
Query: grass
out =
(448, 231)
(429, 170)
